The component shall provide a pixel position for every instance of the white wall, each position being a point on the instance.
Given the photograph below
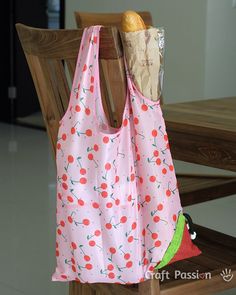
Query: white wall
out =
(184, 22)
(220, 55)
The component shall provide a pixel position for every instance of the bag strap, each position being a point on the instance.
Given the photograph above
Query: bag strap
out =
(89, 48)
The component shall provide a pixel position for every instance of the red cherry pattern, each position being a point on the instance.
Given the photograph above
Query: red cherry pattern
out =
(94, 208)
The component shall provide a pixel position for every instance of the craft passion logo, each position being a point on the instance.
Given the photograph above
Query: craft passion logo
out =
(178, 274)
(226, 275)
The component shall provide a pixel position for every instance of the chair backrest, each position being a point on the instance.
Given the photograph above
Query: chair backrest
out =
(50, 55)
(86, 19)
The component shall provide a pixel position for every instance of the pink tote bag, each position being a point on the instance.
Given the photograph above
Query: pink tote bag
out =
(119, 214)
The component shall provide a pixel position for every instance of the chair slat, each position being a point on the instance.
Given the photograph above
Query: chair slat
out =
(51, 92)
(61, 82)
(62, 44)
(71, 64)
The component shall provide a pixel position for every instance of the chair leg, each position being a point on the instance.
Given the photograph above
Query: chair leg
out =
(76, 288)
(149, 287)
(87, 290)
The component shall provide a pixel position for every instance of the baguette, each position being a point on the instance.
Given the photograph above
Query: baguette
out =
(132, 22)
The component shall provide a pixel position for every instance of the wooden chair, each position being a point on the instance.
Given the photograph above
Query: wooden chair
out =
(49, 53)
(194, 188)
(86, 19)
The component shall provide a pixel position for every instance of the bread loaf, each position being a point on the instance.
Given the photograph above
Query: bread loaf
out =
(132, 22)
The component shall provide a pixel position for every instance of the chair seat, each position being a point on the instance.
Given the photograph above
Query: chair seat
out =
(196, 189)
(218, 254)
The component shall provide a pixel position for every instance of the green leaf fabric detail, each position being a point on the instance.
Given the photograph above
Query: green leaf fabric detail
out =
(175, 243)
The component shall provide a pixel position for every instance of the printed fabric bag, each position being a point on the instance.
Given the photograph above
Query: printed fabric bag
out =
(118, 214)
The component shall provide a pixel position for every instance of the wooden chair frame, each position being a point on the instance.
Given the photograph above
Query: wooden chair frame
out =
(47, 53)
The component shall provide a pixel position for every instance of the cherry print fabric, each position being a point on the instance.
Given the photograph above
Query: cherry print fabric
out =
(117, 195)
